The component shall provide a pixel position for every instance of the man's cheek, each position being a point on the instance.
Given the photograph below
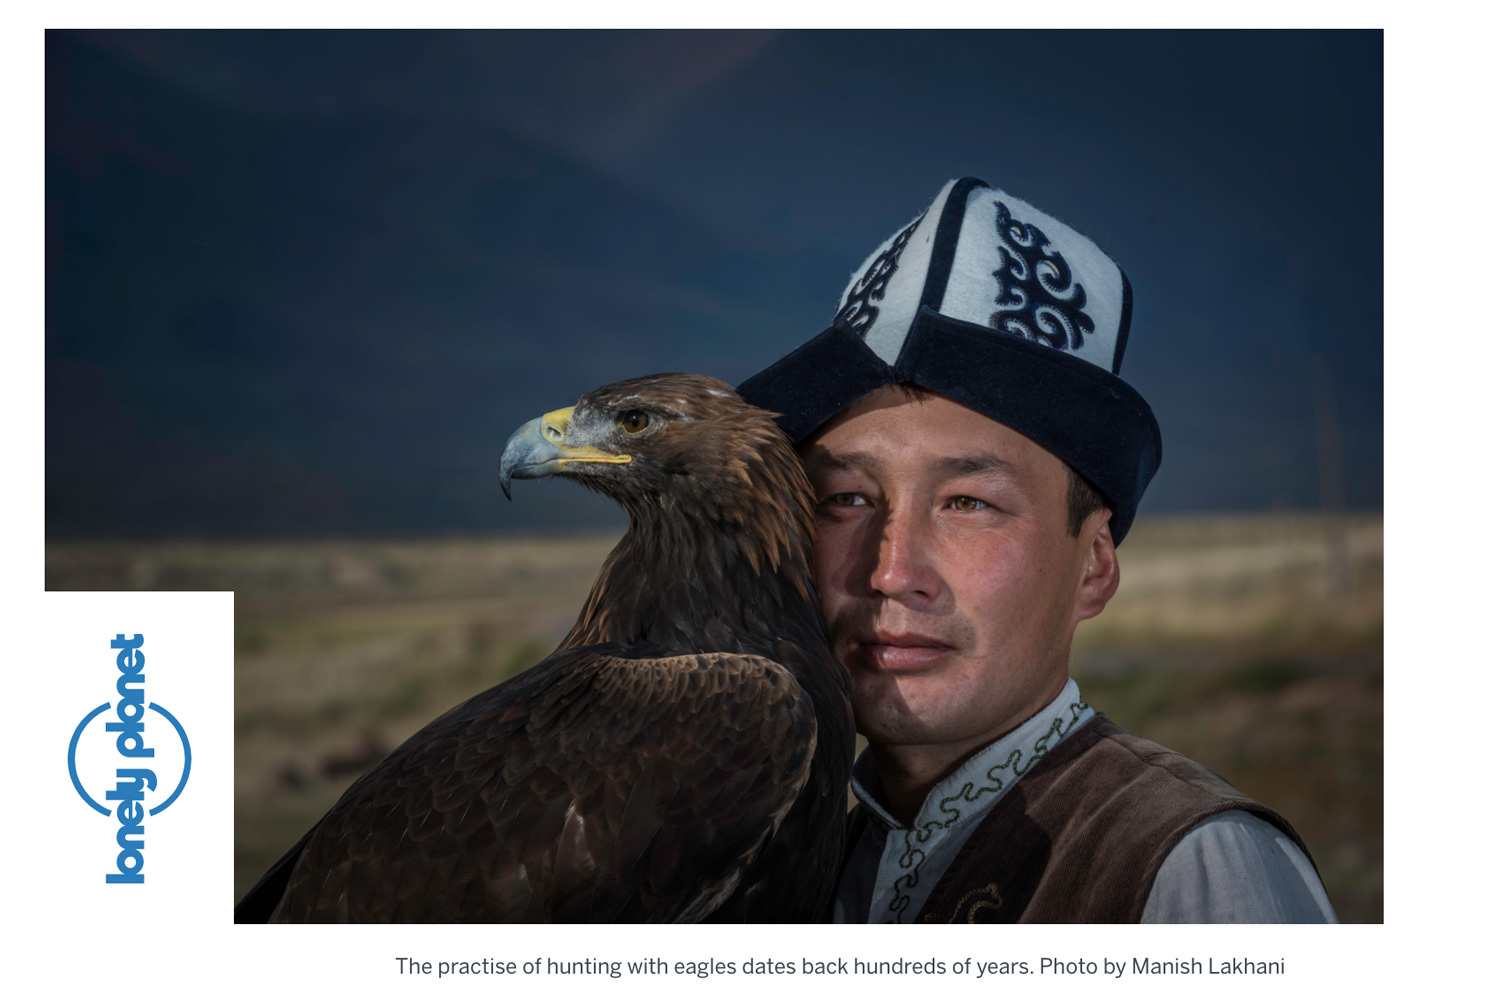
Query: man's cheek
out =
(836, 563)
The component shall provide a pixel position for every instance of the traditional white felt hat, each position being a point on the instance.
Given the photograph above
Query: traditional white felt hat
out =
(997, 305)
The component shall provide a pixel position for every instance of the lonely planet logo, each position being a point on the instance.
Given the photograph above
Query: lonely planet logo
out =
(140, 762)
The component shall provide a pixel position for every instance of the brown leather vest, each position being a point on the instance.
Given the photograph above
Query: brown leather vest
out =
(1081, 836)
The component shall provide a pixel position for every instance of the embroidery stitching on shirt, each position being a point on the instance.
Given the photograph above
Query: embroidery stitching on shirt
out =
(987, 896)
(913, 858)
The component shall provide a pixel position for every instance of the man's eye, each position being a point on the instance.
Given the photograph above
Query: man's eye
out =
(845, 499)
(968, 504)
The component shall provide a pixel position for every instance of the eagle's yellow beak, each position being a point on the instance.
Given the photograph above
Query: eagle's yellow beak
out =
(541, 448)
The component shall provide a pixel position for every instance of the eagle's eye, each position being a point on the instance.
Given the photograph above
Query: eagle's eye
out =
(634, 421)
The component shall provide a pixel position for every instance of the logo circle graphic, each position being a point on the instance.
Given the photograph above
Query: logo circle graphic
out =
(187, 759)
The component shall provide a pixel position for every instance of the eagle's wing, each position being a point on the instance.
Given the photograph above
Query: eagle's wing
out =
(595, 787)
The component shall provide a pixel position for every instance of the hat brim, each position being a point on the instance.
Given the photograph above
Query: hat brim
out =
(1091, 419)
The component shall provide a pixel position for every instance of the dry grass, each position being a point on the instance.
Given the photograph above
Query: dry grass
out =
(1232, 639)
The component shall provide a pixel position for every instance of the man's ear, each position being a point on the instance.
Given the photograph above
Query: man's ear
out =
(1101, 567)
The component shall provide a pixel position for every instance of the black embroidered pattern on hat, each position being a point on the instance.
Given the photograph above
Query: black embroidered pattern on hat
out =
(859, 312)
(1038, 298)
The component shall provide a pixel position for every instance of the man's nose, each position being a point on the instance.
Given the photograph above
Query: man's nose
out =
(903, 568)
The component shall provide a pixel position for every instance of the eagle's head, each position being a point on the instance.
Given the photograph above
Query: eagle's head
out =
(702, 473)
(660, 441)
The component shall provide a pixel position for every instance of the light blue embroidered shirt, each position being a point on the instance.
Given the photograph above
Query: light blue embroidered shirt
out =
(894, 868)
(1228, 868)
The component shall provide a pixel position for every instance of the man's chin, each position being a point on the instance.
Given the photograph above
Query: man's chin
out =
(888, 711)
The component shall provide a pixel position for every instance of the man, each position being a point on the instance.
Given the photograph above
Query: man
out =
(976, 459)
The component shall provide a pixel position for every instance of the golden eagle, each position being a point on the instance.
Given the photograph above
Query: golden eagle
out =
(681, 756)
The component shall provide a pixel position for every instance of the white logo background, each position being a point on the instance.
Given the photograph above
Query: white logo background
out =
(189, 671)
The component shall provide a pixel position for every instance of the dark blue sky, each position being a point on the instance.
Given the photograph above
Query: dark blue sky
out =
(302, 283)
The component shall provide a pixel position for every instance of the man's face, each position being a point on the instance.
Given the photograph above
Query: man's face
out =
(948, 577)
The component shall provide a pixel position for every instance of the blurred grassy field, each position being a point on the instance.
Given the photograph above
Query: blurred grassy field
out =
(1254, 644)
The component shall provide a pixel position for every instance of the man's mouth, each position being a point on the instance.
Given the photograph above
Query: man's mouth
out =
(898, 652)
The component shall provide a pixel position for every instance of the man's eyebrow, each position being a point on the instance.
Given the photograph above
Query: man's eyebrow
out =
(964, 465)
(823, 459)
(820, 459)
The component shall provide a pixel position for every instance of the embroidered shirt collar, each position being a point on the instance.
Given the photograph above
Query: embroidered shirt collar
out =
(913, 858)
(970, 790)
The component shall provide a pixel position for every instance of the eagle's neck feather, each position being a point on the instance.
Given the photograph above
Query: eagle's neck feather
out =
(725, 573)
